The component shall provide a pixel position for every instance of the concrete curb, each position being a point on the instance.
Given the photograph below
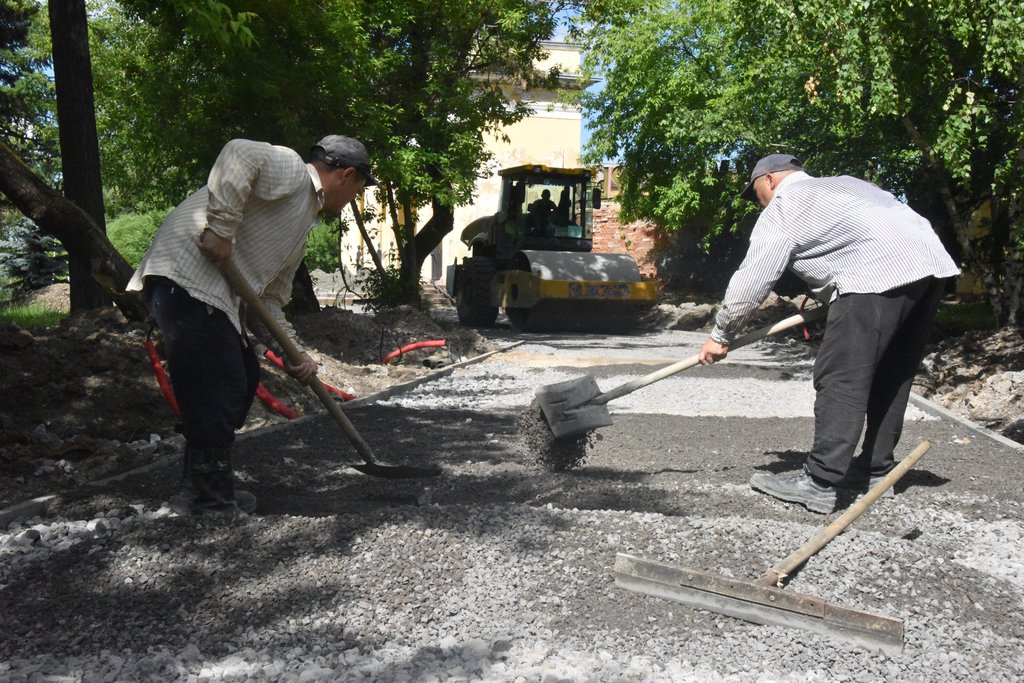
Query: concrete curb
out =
(39, 506)
(938, 411)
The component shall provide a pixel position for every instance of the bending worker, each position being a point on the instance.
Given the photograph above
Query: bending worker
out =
(881, 267)
(257, 208)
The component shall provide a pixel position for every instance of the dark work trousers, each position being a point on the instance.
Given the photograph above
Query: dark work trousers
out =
(214, 372)
(865, 367)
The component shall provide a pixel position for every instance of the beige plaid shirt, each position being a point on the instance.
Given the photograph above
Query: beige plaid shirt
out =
(263, 198)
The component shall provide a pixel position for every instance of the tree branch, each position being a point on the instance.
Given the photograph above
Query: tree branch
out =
(57, 216)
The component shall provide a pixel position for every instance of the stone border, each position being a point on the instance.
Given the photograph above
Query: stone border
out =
(39, 506)
(938, 411)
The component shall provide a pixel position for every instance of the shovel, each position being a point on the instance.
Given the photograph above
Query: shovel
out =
(763, 601)
(370, 465)
(577, 406)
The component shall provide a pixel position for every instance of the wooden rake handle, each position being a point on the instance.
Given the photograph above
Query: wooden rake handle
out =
(777, 574)
(744, 340)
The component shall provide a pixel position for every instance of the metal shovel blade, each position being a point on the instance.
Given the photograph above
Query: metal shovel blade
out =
(758, 604)
(385, 471)
(567, 407)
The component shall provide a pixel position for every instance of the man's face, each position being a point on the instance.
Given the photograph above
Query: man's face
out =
(341, 186)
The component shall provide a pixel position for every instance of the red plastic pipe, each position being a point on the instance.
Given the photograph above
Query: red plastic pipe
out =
(274, 404)
(268, 398)
(276, 360)
(433, 343)
(161, 377)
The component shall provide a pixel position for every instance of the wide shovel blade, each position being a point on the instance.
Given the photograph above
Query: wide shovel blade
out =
(371, 465)
(758, 604)
(763, 601)
(568, 408)
(577, 406)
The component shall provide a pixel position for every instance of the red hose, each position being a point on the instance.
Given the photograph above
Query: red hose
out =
(268, 398)
(434, 343)
(273, 403)
(161, 377)
(276, 360)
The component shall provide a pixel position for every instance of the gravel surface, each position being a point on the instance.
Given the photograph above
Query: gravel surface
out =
(501, 571)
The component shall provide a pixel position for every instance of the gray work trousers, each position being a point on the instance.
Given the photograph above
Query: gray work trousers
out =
(863, 373)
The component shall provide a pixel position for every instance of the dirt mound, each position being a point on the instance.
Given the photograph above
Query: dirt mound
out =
(979, 375)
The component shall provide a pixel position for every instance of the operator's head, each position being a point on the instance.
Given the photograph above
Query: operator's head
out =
(344, 168)
(766, 176)
(546, 194)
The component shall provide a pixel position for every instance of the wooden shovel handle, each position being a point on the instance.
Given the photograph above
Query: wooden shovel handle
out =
(669, 370)
(291, 351)
(777, 574)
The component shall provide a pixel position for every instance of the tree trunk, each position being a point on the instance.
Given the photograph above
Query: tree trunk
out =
(1013, 280)
(440, 224)
(76, 116)
(366, 239)
(64, 220)
(410, 263)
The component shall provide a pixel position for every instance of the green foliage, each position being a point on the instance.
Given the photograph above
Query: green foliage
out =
(30, 259)
(322, 247)
(957, 318)
(132, 233)
(27, 101)
(32, 317)
(402, 76)
(382, 290)
(921, 98)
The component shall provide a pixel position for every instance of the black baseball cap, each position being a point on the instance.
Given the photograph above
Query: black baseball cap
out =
(343, 152)
(770, 164)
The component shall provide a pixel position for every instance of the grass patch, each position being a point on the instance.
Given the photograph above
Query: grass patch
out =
(965, 317)
(32, 317)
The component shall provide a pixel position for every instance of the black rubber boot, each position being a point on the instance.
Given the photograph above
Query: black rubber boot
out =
(207, 485)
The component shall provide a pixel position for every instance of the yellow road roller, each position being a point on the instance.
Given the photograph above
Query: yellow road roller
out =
(533, 259)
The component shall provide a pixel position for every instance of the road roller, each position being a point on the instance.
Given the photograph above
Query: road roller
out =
(534, 260)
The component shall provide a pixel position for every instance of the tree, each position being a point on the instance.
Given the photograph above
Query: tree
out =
(922, 98)
(30, 260)
(26, 94)
(26, 102)
(416, 80)
(438, 71)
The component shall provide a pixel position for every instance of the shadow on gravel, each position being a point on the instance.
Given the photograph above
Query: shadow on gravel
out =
(217, 585)
(794, 460)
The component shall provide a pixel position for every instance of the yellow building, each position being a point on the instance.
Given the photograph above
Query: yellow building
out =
(550, 135)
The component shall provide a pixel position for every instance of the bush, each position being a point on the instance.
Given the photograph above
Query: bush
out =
(960, 317)
(132, 233)
(30, 259)
(382, 290)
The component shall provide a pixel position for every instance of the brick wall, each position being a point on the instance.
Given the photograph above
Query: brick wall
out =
(639, 239)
